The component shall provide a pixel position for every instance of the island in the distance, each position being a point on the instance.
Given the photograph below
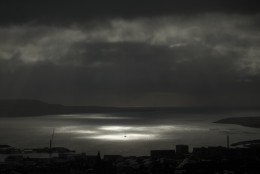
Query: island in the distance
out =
(243, 121)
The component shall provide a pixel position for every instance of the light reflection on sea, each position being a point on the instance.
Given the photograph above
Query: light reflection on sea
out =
(124, 133)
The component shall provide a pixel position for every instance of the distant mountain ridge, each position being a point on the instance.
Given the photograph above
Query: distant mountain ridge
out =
(26, 107)
(23, 107)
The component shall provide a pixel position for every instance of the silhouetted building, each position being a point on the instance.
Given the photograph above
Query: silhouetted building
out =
(200, 152)
(112, 157)
(182, 149)
(227, 141)
(155, 154)
(14, 159)
(98, 157)
(210, 152)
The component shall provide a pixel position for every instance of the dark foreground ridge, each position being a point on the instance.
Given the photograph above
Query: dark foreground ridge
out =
(25, 107)
(243, 121)
(60, 160)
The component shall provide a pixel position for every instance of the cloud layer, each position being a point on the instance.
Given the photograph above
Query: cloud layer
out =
(182, 60)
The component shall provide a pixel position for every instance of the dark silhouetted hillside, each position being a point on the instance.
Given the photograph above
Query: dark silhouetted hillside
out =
(25, 107)
(243, 121)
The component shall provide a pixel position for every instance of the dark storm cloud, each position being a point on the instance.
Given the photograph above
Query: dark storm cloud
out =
(61, 12)
(167, 60)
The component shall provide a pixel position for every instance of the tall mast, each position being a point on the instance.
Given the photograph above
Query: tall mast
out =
(51, 140)
(227, 141)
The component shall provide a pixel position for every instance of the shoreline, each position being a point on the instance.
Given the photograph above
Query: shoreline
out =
(253, 122)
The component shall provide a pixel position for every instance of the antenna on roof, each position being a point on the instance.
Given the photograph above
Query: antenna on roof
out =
(227, 141)
(51, 140)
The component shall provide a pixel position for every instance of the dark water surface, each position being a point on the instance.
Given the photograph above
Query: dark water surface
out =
(125, 133)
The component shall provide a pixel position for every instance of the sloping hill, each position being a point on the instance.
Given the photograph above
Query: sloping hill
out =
(27, 108)
(243, 121)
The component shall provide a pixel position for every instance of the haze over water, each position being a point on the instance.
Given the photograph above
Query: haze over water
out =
(124, 133)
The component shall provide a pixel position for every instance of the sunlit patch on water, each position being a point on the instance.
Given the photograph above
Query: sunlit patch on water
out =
(161, 128)
(126, 133)
(125, 137)
(75, 129)
(84, 132)
(96, 116)
(116, 128)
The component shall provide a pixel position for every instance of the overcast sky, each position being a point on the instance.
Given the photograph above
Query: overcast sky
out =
(131, 53)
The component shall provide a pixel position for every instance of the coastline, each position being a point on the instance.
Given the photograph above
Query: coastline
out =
(253, 122)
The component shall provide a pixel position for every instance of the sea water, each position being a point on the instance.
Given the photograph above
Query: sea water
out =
(134, 133)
